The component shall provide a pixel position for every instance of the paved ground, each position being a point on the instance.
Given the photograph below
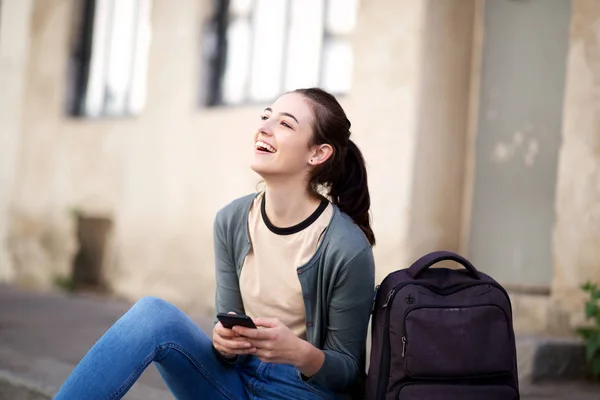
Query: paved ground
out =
(43, 336)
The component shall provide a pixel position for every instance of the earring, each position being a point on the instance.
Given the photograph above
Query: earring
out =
(311, 160)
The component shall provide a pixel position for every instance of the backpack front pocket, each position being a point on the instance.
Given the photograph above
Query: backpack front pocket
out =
(457, 342)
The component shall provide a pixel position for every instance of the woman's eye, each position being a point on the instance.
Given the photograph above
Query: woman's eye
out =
(264, 117)
(286, 124)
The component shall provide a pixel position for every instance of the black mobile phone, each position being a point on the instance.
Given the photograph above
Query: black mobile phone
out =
(230, 320)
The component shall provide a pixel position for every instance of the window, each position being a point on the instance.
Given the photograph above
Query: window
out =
(109, 62)
(261, 48)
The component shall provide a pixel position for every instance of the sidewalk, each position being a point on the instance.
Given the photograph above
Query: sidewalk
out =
(43, 336)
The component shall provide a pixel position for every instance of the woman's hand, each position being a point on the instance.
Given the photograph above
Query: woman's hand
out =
(274, 342)
(229, 343)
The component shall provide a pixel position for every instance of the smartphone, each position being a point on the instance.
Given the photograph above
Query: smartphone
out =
(230, 320)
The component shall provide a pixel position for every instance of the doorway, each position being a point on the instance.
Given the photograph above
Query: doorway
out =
(518, 136)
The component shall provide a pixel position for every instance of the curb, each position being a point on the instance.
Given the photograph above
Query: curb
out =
(13, 387)
(543, 359)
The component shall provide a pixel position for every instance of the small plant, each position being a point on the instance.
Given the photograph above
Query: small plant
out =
(64, 283)
(591, 333)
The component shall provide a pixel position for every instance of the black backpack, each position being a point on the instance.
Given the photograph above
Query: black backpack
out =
(442, 334)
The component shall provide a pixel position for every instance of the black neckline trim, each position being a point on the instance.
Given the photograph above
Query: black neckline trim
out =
(291, 229)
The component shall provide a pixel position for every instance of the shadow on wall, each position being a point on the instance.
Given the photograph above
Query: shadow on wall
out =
(87, 274)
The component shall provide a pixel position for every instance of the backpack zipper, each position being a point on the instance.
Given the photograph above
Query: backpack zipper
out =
(389, 297)
(374, 298)
(384, 366)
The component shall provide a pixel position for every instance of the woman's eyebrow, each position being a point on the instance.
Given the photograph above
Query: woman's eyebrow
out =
(284, 113)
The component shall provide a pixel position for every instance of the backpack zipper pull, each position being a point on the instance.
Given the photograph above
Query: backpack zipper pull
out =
(387, 300)
(374, 299)
(403, 346)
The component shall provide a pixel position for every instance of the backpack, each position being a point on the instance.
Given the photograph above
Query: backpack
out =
(440, 334)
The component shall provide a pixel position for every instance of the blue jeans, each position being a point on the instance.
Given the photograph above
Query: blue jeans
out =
(156, 331)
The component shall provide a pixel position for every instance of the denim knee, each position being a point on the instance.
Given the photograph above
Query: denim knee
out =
(153, 313)
(150, 304)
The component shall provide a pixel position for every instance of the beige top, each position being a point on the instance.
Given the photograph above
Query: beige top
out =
(269, 282)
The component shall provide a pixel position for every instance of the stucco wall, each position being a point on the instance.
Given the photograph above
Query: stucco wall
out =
(383, 107)
(410, 104)
(577, 230)
(14, 24)
(150, 174)
(162, 176)
(442, 127)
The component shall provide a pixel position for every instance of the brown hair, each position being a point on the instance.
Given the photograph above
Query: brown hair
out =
(344, 175)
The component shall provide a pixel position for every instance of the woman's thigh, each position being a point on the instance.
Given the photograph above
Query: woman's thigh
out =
(153, 331)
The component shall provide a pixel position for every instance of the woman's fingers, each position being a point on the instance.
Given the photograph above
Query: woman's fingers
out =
(224, 332)
(229, 343)
(236, 346)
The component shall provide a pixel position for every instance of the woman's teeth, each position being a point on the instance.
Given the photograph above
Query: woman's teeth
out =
(265, 146)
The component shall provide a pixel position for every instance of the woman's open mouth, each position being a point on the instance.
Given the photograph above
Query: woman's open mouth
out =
(263, 147)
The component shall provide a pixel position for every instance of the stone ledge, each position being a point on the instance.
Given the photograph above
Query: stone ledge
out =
(30, 387)
(13, 387)
(546, 359)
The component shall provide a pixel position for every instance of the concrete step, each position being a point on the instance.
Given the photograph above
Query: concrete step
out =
(13, 387)
(549, 359)
(23, 377)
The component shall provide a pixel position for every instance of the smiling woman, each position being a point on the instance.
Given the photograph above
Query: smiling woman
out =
(296, 258)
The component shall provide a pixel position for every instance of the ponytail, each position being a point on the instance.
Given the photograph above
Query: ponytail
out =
(350, 192)
(344, 175)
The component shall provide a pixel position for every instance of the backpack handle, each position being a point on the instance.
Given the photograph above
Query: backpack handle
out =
(423, 263)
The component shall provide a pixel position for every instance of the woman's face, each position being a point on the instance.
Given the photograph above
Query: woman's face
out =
(281, 142)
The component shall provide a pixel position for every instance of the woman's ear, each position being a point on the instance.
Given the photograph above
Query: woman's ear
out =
(321, 153)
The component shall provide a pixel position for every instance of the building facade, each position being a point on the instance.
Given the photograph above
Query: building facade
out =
(479, 121)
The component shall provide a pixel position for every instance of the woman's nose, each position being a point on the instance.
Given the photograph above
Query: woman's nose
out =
(266, 128)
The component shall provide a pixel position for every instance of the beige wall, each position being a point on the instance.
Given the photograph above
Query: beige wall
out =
(162, 176)
(383, 109)
(149, 174)
(443, 124)
(14, 23)
(410, 104)
(577, 230)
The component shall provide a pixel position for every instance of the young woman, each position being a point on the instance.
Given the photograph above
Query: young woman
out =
(296, 258)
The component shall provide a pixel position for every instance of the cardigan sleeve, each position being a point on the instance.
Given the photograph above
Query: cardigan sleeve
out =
(348, 320)
(227, 297)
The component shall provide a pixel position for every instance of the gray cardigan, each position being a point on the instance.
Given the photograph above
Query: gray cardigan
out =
(337, 286)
